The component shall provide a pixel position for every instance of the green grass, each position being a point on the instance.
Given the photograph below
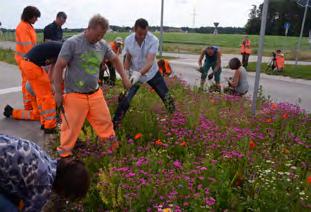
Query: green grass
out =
(194, 42)
(7, 55)
(293, 71)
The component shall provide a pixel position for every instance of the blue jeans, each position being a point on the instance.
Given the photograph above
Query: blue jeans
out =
(158, 84)
(6, 205)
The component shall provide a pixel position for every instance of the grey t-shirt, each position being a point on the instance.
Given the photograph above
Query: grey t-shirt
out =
(83, 60)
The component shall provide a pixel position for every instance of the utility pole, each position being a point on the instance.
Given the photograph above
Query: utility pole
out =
(260, 52)
(161, 30)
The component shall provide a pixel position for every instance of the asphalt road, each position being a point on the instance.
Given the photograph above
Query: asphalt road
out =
(281, 89)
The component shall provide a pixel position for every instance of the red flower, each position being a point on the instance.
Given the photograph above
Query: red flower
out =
(183, 144)
(159, 142)
(309, 180)
(285, 116)
(138, 136)
(269, 120)
(274, 106)
(252, 144)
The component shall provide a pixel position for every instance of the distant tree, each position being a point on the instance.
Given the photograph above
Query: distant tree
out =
(280, 12)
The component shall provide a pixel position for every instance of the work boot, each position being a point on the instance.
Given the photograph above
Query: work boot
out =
(8, 111)
(50, 131)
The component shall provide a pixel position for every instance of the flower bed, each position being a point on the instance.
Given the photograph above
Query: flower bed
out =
(211, 154)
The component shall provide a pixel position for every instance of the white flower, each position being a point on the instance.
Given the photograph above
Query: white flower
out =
(302, 193)
(293, 167)
(280, 173)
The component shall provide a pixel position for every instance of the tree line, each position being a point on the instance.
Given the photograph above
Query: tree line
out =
(280, 12)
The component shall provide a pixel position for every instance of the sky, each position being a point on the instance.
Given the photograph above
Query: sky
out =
(177, 13)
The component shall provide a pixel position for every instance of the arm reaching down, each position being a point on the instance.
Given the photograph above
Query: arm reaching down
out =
(117, 63)
(60, 65)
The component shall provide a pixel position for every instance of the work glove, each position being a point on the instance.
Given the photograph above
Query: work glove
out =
(135, 77)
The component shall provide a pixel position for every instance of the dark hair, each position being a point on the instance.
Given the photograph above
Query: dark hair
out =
(29, 12)
(72, 178)
(278, 51)
(235, 63)
(141, 23)
(61, 15)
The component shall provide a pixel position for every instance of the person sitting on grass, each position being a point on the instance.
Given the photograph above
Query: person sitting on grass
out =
(28, 175)
(238, 84)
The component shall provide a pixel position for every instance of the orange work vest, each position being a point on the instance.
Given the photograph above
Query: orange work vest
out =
(164, 69)
(246, 47)
(26, 38)
(117, 50)
(280, 61)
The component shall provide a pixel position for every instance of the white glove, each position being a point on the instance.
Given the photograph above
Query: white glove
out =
(135, 77)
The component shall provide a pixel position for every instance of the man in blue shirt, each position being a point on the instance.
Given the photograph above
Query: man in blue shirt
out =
(54, 31)
(28, 175)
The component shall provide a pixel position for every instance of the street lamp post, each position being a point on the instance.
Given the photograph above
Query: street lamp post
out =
(161, 30)
(307, 4)
(260, 52)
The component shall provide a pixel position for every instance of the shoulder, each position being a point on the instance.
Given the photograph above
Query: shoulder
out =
(129, 38)
(151, 37)
(49, 26)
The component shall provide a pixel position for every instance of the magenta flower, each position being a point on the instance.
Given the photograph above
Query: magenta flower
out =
(210, 201)
(177, 164)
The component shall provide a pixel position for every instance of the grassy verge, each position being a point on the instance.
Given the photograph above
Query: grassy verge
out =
(7, 55)
(299, 71)
(230, 44)
(212, 154)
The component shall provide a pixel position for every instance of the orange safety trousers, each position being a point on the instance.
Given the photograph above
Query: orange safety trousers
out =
(32, 115)
(77, 107)
(26, 38)
(40, 83)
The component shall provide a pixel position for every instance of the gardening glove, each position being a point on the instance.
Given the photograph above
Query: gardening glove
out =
(135, 77)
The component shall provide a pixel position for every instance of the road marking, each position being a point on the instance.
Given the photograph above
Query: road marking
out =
(10, 90)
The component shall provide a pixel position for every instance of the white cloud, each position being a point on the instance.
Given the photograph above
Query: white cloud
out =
(125, 12)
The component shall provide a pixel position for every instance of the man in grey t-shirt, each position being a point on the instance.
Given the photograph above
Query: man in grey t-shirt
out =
(83, 54)
(141, 49)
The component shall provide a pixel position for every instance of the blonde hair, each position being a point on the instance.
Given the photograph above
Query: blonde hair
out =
(98, 20)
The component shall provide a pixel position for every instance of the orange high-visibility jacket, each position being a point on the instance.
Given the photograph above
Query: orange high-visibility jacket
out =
(117, 50)
(246, 47)
(280, 61)
(26, 38)
(166, 68)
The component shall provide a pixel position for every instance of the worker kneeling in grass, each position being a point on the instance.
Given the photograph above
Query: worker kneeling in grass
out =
(28, 176)
(83, 54)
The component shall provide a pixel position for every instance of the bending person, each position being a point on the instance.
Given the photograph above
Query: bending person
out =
(29, 175)
(141, 48)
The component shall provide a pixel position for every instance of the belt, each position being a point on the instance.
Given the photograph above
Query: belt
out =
(27, 59)
(89, 93)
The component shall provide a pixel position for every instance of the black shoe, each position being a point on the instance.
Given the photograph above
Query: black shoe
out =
(42, 127)
(8, 111)
(50, 131)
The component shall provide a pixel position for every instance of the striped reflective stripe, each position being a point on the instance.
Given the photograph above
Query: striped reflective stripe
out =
(25, 43)
(20, 54)
(25, 115)
(49, 118)
(45, 112)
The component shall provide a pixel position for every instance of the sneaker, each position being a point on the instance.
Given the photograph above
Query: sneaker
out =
(8, 111)
(50, 131)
